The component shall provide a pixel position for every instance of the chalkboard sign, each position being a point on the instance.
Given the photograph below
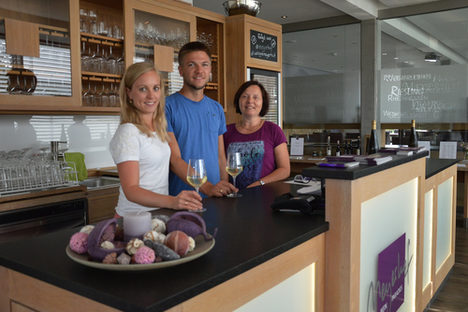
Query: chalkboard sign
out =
(263, 46)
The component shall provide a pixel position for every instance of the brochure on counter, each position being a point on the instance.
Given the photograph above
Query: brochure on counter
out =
(374, 159)
(346, 164)
(351, 161)
(402, 150)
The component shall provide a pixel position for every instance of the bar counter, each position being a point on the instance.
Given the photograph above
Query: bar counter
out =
(407, 202)
(249, 235)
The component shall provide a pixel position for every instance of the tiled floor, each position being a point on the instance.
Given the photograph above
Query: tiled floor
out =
(453, 295)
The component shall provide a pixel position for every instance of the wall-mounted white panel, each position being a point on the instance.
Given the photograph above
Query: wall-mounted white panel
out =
(385, 218)
(444, 221)
(427, 254)
(293, 294)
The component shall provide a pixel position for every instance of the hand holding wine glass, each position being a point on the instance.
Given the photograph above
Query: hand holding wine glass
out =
(234, 168)
(196, 174)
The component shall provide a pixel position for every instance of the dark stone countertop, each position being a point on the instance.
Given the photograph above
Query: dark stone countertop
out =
(434, 166)
(360, 171)
(249, 233)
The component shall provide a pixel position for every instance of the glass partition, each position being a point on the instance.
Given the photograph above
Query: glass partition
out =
(321, 78)
(321, 69)
(424, 76)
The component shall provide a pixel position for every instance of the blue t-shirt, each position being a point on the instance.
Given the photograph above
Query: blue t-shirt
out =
(196, 126)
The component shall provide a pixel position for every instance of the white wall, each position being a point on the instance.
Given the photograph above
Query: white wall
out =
(89, 135)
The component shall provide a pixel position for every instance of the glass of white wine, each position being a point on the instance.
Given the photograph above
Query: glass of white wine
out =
(234, 168)
(196, 174)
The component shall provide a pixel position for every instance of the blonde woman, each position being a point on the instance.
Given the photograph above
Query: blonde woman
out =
(140, 146)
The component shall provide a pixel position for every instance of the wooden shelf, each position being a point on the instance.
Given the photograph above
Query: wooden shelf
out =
(101, 75)
(56, 109)
(100, 38)
(55, 33)
(211, 86)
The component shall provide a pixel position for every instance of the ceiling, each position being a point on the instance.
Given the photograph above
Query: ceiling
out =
(337, 49)
(272, 10)
(306, 10)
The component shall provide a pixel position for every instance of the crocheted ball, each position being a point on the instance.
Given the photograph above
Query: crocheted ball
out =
(144, 255)
(110, 258)
(79, 242)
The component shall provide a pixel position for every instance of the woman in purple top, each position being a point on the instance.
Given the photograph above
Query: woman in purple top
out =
(262, 144)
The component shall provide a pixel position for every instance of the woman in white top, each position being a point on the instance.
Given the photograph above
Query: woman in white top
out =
(140, 146)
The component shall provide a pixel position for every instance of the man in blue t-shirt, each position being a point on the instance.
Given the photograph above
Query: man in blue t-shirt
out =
(196, 124)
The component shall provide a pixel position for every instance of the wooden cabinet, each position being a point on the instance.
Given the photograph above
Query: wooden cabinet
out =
(94, 90)
(102, 203)
(171, 24)
(244, 53)
(211, 33)
(132, 30)
(102, 55)
(39, 81)
(152, 28)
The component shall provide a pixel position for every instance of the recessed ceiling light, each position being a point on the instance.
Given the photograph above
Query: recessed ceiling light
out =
(384, 53)
(396, 58)
(431, 57)
(284, 16)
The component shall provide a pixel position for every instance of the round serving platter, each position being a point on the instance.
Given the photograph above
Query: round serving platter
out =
(201, 248)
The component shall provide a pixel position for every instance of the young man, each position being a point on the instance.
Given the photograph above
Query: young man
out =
(196, 124)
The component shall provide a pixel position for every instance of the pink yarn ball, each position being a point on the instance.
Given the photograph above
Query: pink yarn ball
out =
(144, 255)
(79, 242)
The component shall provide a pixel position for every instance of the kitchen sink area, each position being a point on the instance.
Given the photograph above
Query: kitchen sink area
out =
(103, 195)
(100, 182)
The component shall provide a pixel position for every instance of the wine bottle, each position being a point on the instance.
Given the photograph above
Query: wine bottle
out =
(373, 144)
(358, 147)
(413, 139)
(338, 148)
(329, 152)
(347, 147)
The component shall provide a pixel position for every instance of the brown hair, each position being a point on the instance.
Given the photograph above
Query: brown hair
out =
(129, 113)
(265, 97)
(192, 47)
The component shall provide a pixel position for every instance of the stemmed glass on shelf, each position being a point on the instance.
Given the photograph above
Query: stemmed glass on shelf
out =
(234, 168)
(196, 174)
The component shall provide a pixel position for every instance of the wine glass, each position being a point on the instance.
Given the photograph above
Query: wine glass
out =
(234, 168)
(111, 62)
(196, 174)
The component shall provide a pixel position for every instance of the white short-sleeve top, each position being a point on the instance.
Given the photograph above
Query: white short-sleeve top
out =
(153, 155)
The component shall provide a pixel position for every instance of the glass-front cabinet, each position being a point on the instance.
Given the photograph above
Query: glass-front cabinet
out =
(155, 34)
(156, 31)
(102, 55)
(35, 54)
(69, 56)
(211, 33)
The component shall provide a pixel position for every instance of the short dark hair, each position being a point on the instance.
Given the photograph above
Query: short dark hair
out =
(265, 97)
(192, 47)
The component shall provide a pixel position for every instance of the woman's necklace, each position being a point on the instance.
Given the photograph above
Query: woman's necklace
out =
(250, 129)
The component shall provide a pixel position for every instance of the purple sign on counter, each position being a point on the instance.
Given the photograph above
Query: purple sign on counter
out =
(391, 276)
